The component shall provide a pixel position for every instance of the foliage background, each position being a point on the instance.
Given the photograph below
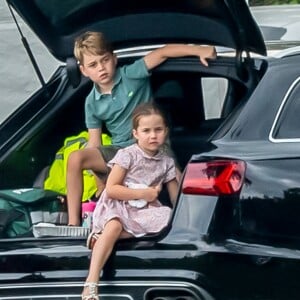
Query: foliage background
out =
(272, 2)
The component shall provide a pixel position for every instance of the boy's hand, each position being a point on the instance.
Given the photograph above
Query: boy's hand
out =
(206, 52)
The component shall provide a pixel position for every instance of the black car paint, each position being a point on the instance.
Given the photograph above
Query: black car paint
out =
(226, 246)
(244, 246)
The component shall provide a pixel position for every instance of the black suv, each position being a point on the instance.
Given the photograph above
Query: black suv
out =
(235, 230)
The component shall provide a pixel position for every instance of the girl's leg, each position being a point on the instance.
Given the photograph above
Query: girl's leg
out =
(84, 159)
(112, 231)
(93, 237)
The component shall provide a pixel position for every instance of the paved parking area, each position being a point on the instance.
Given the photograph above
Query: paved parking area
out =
(17, 77)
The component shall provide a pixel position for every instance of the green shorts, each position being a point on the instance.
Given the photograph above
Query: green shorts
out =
(108, 152)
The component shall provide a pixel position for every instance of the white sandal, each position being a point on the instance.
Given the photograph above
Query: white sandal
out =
(92, 288)
(92, 239)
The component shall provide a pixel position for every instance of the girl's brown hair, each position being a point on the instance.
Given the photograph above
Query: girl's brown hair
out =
(146, 109)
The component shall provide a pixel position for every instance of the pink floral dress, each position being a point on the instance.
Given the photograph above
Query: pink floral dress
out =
(142, 169)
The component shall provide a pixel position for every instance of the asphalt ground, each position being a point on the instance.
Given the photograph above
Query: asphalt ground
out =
(17, 77)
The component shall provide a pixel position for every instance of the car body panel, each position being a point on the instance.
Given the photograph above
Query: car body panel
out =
(210, 242)
(229, 270)
(266, 209)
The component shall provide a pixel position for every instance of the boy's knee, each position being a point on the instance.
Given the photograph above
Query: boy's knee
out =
(75, 159)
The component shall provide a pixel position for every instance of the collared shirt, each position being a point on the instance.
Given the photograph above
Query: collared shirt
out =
(142, 168)
(131, 87)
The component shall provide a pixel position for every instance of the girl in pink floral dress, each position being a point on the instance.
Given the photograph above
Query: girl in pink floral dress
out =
(129, 205)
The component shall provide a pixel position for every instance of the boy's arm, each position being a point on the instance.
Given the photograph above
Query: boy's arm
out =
(158, 56)
(94, 138)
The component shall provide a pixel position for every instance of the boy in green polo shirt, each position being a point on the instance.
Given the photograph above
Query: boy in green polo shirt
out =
(115, 94)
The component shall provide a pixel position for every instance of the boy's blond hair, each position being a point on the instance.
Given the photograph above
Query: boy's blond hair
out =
(93, 43)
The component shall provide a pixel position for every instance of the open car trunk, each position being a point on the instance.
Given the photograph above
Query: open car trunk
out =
(196, 100)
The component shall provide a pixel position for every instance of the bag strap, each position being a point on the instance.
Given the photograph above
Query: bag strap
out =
(44, 197)
(10, 198)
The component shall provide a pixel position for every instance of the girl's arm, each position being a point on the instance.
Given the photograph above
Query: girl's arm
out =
(172, 187)
(158, 56)
(116, 190)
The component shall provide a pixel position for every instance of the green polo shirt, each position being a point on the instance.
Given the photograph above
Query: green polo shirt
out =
(131, 87)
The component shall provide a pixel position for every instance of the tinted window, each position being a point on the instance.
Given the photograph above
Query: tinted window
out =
(192, 99)
(288, 125)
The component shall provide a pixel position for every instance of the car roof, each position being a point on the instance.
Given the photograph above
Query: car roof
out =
(129, 23)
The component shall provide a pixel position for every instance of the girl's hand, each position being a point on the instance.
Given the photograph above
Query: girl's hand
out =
(151, 193)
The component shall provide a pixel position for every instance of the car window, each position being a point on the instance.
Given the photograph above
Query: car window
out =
(214, 91)
(191, 99)
(193, 105)
(288, 125)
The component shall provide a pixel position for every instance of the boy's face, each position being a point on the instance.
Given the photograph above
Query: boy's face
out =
(99, 68)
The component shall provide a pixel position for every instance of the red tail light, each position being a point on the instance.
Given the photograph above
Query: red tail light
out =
(214, 178)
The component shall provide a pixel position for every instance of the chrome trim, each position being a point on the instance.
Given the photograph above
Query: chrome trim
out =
(66, 296)
(290, 51)
(102, 283)
(136, 51)
(147, 284)
(287, 140)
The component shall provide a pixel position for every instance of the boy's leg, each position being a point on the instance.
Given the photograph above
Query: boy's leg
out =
(83, 159)
(108, 152)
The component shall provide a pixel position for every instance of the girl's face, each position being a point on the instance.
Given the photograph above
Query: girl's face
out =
(99, 68)
(150, 133)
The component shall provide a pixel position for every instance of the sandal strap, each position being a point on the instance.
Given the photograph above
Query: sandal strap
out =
(92, 291)
(90, 297)
(92, 238)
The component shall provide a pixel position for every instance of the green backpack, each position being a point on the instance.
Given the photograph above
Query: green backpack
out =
(20, 209)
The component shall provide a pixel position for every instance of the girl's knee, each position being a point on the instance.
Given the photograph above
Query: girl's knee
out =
(114, 226)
